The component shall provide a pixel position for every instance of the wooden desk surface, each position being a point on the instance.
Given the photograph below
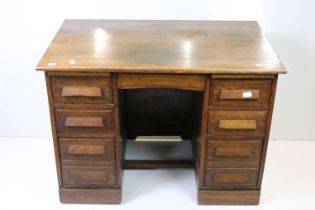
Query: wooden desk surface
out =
(199, 47)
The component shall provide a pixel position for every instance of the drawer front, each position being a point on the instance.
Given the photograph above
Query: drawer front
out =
(240, 92)
(84, 123)
(237, 123)
(231, 177)
(82, 90)
(180, 81)
(88, 176)
(233, 153)
(75, 149)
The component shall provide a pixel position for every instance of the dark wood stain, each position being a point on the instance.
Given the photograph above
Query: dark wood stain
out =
(109, 81)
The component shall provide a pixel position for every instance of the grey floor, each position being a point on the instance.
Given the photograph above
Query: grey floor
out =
(28, 180)
(159, 150)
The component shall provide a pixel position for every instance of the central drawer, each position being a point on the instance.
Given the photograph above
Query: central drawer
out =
(85, 123)
(179, 81)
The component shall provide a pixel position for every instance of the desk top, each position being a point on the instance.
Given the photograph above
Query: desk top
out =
(161, 46)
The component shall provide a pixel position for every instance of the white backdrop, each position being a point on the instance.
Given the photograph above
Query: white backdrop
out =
(27, 27)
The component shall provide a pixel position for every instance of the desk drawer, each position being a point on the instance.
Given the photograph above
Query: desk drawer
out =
(87, 149)
(231, 178)
(237, 123)
(88, 176)
(82, 89)
(179, 81)
(233, 153)
(85, 123)
(240, 92)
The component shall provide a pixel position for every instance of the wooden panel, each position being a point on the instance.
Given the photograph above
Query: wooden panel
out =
(240, 93)
(119, 132)
(152, 164)
(71, 91)
(80, 149)
(85, 123)
(53, 127)
(85, 150)
(233, 127)
(90, 196)
(268, 125)
(160, 46)
(228, 197)
(228, 177)
(88, 176)
(82, 90)
(243, 76)
(188, 82)
(201, 142)
(233, 153)
(237, 124)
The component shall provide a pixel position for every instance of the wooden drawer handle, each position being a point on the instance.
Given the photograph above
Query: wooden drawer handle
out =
(85, 150)
(233, 152)
(72, 91)
(87, 177)
(239, 94)
(84, 122)
(237, 124)
(230, 178)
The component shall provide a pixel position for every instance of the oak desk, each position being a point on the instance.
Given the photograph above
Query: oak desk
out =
(212, 82)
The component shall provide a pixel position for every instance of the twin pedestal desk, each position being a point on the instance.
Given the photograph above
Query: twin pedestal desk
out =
(210, 82)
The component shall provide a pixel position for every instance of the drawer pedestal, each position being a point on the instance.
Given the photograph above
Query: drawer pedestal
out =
(234, 130)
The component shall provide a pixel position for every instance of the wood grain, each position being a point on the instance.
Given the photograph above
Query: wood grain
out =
(152, 164)
(231, 178)
(186, 82)
(81, 89)
(268, 126)
(237, 124)
(239, 94)
(96, 151)
(53, 127)
(233, 153)
(224, 104)
(158, 46)
(202, 144)
(84, 122)
(228, 197)
(228, 93)
(85, 150)
(70, 91)
(92, 196)
(88, 176)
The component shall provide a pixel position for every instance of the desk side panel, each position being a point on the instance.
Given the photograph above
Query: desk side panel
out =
(53, 126)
